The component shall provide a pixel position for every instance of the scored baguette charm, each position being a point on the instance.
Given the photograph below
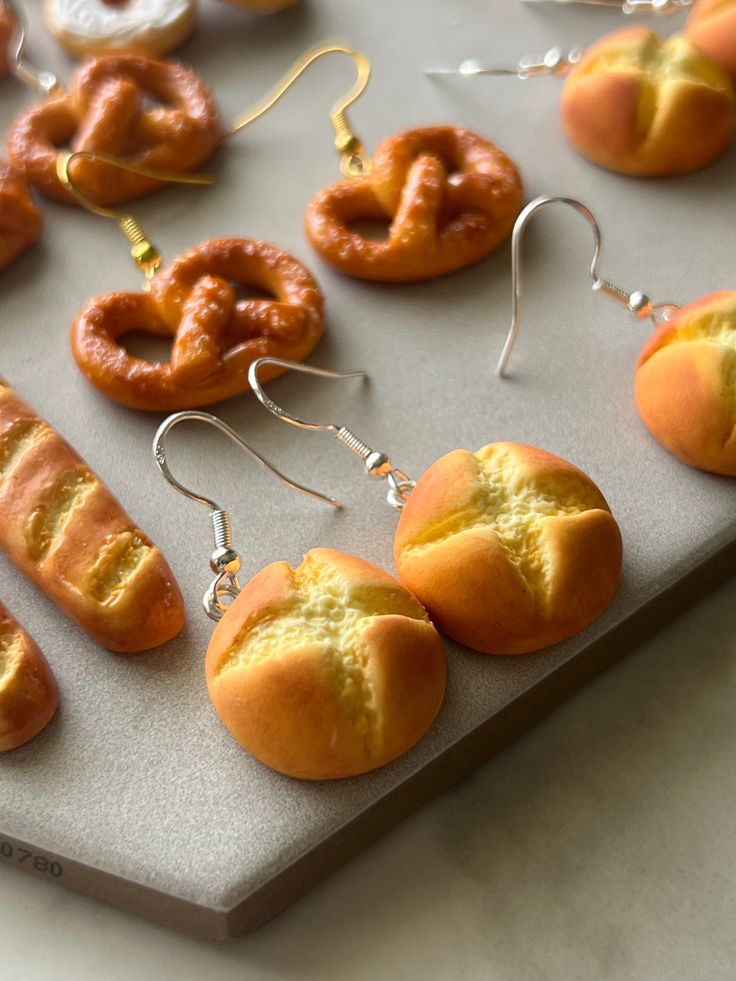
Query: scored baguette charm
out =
(65, 531)
(450, 196)
(28, 693)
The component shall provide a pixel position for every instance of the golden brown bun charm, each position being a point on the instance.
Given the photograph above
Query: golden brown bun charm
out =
(28, 695)
(327, 670)
(107, 111)
(648, 108)
(66, 532)
(216, 335)
(21, 223)
(450, 196)
(711, 27)
(93, 27)
(510, 549)
(686, 384)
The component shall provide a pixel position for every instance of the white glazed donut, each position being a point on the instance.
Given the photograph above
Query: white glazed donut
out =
(89, 27)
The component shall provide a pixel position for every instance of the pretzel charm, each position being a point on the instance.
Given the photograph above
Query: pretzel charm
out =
(451, 198)
(20, 220)
(106, 112)
(215, 335)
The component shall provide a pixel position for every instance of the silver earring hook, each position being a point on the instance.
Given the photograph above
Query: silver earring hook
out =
(376, 463)
(42, 82)
(627, 6)
(554, 62)
(225, 561)
(637, 303)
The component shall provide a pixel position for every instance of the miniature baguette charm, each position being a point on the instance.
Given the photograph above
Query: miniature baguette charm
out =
(65, 531)
(510, 549)
(28, 694)
(327, 670)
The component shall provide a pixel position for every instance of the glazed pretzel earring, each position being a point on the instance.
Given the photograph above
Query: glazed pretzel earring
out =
(326, 670)
(510, 548)
(636, 104)
(685, 381)
(215, 335)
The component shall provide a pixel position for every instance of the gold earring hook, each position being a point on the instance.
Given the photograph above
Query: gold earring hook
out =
(348, 145)
(145, 254)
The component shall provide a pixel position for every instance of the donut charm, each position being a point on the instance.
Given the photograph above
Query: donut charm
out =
(21, 223)
(450, 197)
(215, 335)
(686, 384)
(93, 27)
(154, 113)
(510, 549)
(648, 108)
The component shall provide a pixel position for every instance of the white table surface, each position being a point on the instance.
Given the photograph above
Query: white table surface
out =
(601, 847)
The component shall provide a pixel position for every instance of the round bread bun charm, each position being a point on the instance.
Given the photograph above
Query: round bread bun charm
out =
(645, 107)
(450, 198)
(327, 670)
(510, 549)
(686, 384)
(92, 27)
(711, 27)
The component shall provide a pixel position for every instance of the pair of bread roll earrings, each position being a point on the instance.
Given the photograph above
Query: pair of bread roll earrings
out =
(685, 382)
(449, 195)
(333, 668)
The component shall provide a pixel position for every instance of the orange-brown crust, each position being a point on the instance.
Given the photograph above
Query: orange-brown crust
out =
(28, 693)
(451, 198)
(66, 532)
(510, 549)
(105, 111)
(686, 384)
(8, 27)
(327, 670)
(21, 223)
(645, 107)
(216, 336)
(711, 27)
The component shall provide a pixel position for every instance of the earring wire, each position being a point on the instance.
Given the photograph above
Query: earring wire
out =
(225, 561)
(637, 302)
(42, 82)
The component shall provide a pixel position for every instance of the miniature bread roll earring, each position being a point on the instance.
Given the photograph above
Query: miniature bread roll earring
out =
(685, 378)
(635, 104)
(28, 693)
(326, 670)
(215, 335)
(510, 549)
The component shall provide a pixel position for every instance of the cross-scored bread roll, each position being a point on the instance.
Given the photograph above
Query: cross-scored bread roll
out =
(711, 27)
(327, 670)
(510, 549)
(686, 384)
(28, 694)
(67, 533)
(646, 107)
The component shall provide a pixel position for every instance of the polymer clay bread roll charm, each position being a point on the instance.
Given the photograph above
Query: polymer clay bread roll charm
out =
(711, 27)
(21, 223)
(66, 532)
(648, 108)
(91, 27)
(510, 549)
(686, 384)
(450, 196)
(28, 693)
(327, 670)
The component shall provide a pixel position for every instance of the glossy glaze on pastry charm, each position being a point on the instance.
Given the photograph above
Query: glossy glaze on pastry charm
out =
(153, 113)
(450, 198)
(686, 384)
(28, 693)
(510, 549)
(215, 335)
(648, 108)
